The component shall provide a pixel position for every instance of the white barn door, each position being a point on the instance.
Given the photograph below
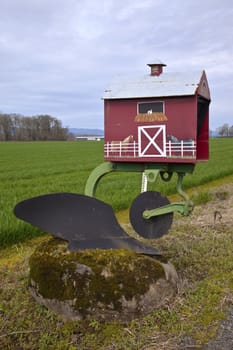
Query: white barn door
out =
(152, 141)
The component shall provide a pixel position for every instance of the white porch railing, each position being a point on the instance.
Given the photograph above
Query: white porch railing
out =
(120, 149)
(181, 149)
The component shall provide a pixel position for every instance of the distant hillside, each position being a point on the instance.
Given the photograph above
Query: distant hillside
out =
(83, 131)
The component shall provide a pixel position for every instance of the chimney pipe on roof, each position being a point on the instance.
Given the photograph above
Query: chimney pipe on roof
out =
(156, 68)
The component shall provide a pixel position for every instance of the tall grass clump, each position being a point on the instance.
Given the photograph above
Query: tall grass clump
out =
(219, 165)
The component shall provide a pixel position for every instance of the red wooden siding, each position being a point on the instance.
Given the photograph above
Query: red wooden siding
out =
(170, 138)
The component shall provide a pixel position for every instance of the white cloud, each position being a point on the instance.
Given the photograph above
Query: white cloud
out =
(55, 55)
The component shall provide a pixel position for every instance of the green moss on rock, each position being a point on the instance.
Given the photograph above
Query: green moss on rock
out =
(101, 283)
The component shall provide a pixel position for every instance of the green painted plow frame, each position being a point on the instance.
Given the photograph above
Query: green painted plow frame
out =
(151, 172)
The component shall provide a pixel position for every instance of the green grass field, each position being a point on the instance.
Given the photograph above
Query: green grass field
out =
(34, 168)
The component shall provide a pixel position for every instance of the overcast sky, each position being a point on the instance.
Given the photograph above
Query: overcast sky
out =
(58, 56)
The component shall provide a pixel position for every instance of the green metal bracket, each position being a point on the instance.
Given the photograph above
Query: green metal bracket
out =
(181, 207)
(152, 174)
(151, 171)
(184, 208)
(189, 205)
(95, 176)
(107, 167)
(179, 187)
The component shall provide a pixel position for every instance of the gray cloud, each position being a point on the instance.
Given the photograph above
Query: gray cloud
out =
(58, 56)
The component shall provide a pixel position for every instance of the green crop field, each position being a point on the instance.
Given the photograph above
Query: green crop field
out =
(29, 169)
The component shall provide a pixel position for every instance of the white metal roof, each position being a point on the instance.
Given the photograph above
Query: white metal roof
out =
(156, 61)
(166, 84)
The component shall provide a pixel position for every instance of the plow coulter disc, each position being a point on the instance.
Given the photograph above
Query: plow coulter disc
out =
(156, 226)
(85, 222)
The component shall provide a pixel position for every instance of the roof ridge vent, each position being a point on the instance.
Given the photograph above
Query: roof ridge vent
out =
(156, 68)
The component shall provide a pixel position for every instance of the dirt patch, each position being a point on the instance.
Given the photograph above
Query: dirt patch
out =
(217, 216)
(218, 212)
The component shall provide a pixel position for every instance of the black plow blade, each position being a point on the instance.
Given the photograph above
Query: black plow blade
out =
(85, 222)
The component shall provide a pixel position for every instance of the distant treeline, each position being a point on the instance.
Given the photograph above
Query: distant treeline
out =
(225, 130)
(15, 127)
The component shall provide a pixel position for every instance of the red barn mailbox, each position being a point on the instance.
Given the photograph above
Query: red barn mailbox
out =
(159, 117)
(157, 124)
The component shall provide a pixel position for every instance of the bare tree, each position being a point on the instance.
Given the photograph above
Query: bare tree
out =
(231, 131)
(223, 130)
(6, 127)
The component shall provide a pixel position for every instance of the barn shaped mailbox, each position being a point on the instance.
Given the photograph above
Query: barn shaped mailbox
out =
(157, 125)
(159, 117)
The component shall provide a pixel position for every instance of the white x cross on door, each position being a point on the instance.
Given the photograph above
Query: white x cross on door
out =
(152, 141)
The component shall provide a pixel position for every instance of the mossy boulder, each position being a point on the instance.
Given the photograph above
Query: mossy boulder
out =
(101, 284)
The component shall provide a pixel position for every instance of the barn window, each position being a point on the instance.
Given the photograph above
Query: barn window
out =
(151, 107)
